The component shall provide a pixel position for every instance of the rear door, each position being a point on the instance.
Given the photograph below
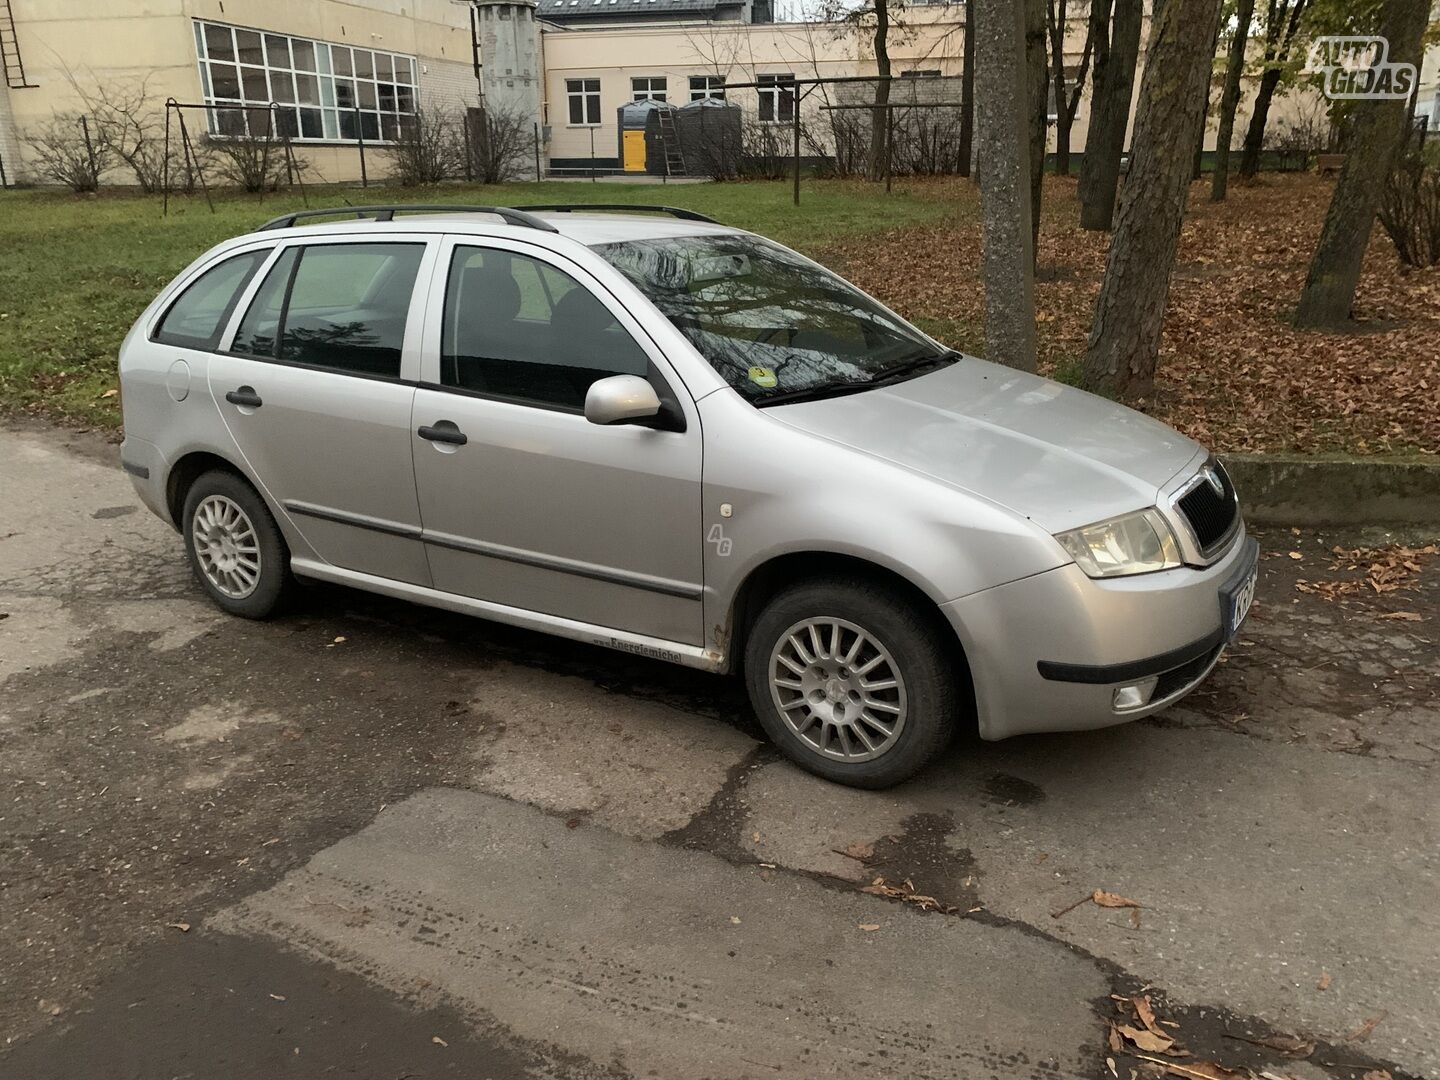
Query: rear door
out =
(538, 508)
(316, 384)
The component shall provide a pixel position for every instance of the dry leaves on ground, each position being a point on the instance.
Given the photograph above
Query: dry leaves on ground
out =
(1372, 571)
(906, 891)
(1233, 373)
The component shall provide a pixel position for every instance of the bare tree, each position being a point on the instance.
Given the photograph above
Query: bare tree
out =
(129, 120)
(1117, 51)
(252, 162)
(1378, 128)
(500, 143)
(1130, 311)
(66, 151)
(1230, 97)
(1410, 207)
(429, 149)
(1067, 98)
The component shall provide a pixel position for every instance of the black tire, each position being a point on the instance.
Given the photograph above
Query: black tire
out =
(926, 660)
(275, 583)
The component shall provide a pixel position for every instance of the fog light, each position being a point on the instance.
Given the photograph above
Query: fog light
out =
(1134, 696)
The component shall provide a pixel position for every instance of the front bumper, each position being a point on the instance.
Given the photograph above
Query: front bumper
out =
(1048, 652)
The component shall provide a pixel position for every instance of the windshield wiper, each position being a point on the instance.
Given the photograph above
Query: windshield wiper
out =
(888, 377)
(914, 367)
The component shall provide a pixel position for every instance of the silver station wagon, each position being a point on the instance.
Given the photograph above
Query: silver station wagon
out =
(651, 432)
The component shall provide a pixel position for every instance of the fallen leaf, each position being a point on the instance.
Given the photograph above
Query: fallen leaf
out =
(1110, 899)
(1157, 1042)
(1363, 1031)
(1145, 1013)
(1377, 1074)
(1294, 1046)
(858, 851)
(1296, 555)
(735, 919)
(1135, 917)
(438, 1041)
(1325, 981)
(278, 997)
(867, 926)
(110, 393)
(183, 927)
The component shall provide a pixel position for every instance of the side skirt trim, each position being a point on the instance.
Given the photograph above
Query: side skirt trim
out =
(637, 644)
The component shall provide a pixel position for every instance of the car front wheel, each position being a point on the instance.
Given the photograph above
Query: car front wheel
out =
(235, 547)
(851, 682)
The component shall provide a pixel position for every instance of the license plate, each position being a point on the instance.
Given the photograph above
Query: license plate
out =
(1236, 598)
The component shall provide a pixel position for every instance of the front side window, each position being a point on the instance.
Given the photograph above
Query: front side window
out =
(198, 316)
(583, 96)
(777, 98)
(323, 91)
(336, 306)
(648, 88)
(519, 329)
(707, 86)
(775, 326)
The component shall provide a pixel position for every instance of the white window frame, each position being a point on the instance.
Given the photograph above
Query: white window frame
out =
(655, 88)
(587, 95)
(711, 87)
(307, 79)
(773, 96)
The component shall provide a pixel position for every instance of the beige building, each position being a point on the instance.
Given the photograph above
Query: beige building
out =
(331, 74)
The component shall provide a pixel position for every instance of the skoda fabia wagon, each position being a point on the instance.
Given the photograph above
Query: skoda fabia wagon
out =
(651, 432)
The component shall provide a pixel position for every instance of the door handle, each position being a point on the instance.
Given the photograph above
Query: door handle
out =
(443, 431)
(246, 396)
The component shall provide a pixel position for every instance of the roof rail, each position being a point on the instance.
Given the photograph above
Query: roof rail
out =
(387, 213)
(673, 211)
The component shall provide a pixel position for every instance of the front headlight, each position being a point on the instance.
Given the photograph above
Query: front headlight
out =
(1135, 543)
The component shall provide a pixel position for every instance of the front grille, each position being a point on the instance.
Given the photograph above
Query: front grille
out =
(1176, 679)
(1211, 514)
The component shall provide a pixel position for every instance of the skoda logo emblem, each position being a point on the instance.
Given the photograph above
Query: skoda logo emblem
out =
(1212, 477)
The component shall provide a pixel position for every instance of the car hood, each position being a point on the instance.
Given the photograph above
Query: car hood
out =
(1052, 453)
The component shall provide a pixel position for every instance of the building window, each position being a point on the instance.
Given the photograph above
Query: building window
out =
(584, 98)
(777, 98)
(317, 87)
(921, 73)
(707, 86)
(648, 88)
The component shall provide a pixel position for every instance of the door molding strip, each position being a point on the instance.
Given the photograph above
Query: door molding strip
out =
(636, 644)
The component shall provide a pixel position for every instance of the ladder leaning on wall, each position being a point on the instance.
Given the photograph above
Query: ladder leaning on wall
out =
(10, 51)
(669, 139)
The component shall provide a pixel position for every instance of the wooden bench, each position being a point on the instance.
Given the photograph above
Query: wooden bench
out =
(1325, 164)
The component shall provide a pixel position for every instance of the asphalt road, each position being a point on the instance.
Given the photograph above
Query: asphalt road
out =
(372, 840)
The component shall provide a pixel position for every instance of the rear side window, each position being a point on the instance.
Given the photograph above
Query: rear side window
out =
(198, 315)
(519, 329)
(336, 306)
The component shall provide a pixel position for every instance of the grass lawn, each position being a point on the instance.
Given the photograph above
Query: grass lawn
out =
(75, 272)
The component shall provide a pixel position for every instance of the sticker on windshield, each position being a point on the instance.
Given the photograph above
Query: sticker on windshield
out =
(763, 377)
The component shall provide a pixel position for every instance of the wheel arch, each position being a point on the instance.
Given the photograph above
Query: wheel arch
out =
(768, 578)
(189, 468)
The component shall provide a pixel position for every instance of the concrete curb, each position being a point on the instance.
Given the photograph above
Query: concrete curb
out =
(1278, 489)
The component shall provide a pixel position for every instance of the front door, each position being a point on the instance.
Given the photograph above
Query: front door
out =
(317, 387)
(537, 508)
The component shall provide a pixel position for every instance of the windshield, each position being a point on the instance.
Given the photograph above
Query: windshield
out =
(776, 326)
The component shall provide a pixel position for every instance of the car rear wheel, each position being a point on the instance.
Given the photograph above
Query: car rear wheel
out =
(235, 547)
(851, 682)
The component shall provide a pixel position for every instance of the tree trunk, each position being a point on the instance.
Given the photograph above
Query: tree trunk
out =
(967, 93)
(1002, 118)
(1198, 166)
(1038, 73)
(1230, 98)
(1100, 35)
(1067, 95)
(876, 164)
(1379, 127)
(1109, 117)
(1279, 36)
(1130, 311)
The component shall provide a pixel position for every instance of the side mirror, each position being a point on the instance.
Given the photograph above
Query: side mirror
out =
(619, 398)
